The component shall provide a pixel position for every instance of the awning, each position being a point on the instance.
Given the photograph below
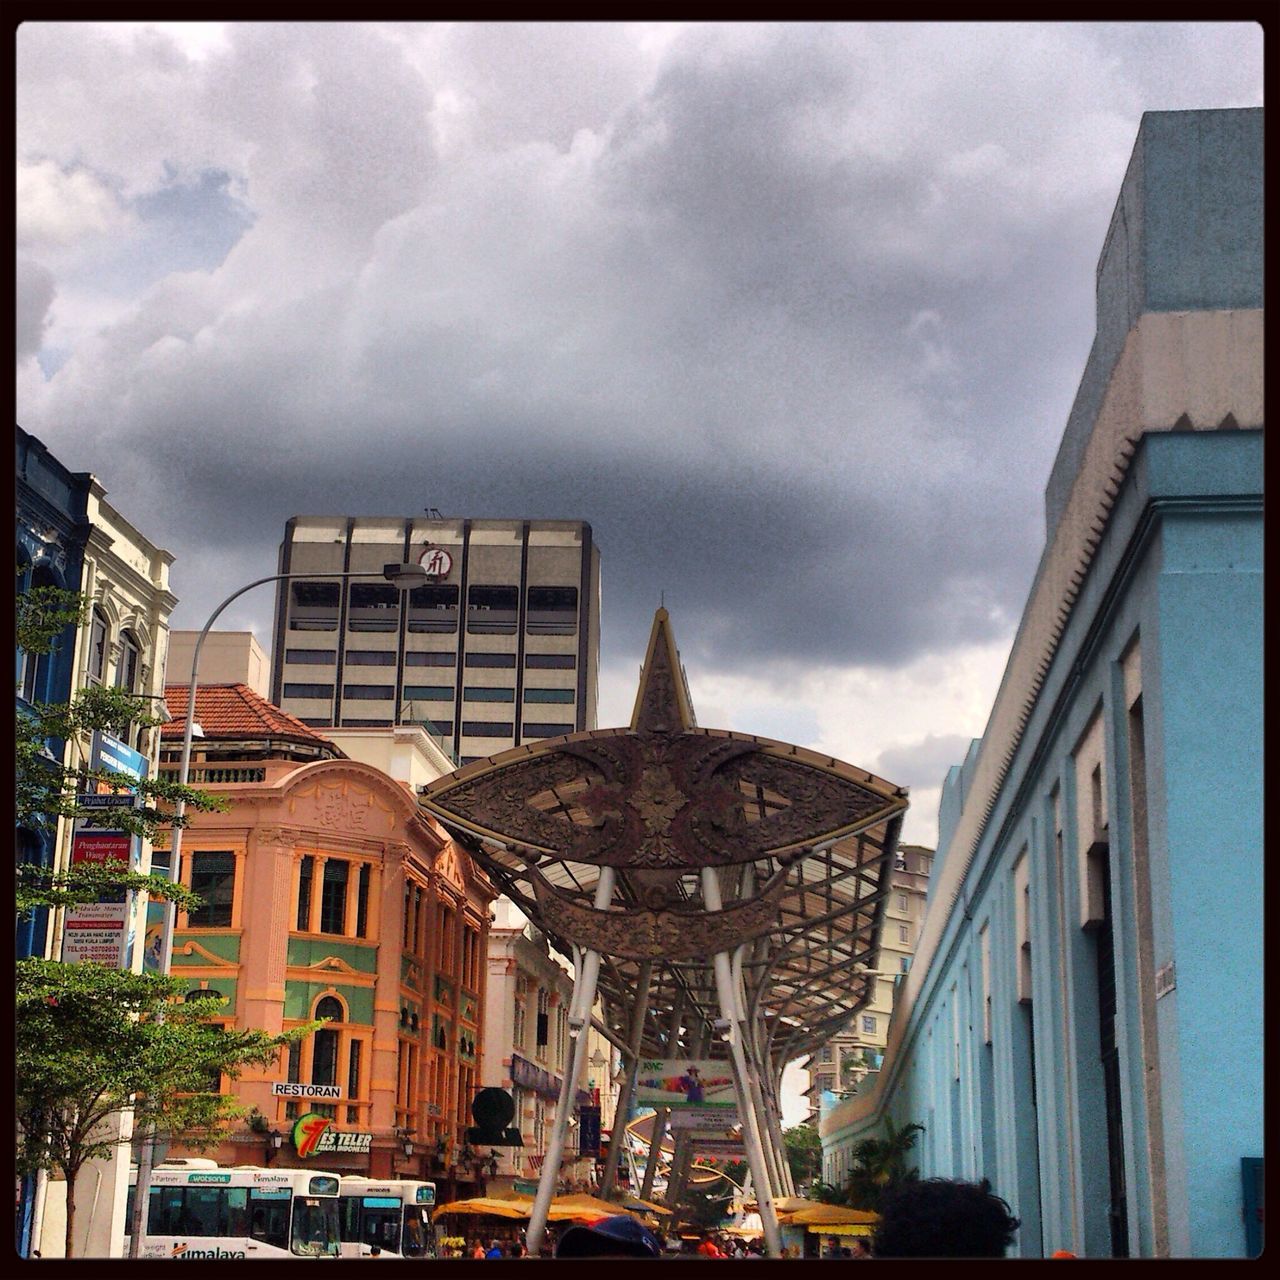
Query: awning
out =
(828, 1215)
(841, 1229)
(485, 1205)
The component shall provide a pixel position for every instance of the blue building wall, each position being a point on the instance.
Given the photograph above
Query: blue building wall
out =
(52, 529)
(1157, 677)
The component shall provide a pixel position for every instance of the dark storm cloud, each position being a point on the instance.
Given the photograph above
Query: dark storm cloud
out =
(792, 315)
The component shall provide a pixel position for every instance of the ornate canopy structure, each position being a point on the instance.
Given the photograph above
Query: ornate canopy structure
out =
(721, 890)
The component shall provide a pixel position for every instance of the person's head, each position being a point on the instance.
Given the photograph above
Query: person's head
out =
(942, 1218)
(860, 1248)
(618, 1237)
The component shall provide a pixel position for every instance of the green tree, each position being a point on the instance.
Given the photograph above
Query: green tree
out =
(706, 1205)
(880, 1164)
(92, 1041)
(804, 1153)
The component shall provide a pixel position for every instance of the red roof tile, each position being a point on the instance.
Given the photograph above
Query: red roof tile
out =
(235, 711)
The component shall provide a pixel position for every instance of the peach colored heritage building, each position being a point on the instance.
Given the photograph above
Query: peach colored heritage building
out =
(328, 894)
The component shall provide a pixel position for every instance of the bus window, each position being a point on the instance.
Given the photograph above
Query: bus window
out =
(381, 1222)
(315, 1227)
(165, 1217)
(269, 1216)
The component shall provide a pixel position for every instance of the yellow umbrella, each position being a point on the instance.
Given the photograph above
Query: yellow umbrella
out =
(484, 1205)
(832, 1215)
(584, 1207)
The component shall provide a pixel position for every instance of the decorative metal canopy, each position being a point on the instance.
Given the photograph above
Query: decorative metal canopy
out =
(799, 842)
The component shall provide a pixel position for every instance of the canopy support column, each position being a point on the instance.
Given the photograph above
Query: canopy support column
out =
(618, 1136)
(727, 990)
(584, 996)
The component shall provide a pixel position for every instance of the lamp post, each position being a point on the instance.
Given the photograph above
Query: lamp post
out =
(403, 576)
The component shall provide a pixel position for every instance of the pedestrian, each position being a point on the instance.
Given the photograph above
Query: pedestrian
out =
(860, 1248)
(478, 1251)
(942, 1218)
(517, 1250)
(495, 1250)
(621, 1236)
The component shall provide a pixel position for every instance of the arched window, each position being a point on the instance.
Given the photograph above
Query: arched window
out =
(35, 669)
(97, 645)
(127, 667)
(331, 1007)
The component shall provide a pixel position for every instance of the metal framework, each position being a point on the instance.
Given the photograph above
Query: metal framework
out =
(737, 882)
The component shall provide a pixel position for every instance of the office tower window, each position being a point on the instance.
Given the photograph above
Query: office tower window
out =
(429, 692)
(550, 661)
(492, 610)
(868, 1025)
(553, 611)
(312, 657)
(213, 877)
(315, 606)
(433, 609)
(548, 695)
(369, 692)
(308, 691)
(374, 606)
(488, 728)
(354, 722)
(539, 729)
(371, 657)
(490, 660)
(432, 659)
(478, 693)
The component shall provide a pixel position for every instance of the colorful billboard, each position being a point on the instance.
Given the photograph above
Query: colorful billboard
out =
(682, 1084)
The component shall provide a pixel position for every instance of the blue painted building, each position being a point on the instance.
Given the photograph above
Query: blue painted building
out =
(1083, 1022)
(52, 528)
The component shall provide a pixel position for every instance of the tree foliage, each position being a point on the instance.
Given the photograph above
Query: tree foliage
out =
(91, 1041)
(804, 1153)
(46, 790)
(878, 1165)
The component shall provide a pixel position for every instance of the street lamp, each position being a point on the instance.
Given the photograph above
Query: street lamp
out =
(275, 1140)
(403, 576)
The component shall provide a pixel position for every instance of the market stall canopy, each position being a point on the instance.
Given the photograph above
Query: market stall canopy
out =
(832, 1215)
(486, 1205)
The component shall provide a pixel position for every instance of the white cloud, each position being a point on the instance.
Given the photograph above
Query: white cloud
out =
(56, 208)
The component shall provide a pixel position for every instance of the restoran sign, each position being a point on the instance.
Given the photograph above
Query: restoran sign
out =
(314, 1135)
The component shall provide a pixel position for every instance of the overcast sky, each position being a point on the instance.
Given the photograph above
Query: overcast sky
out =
(792, 314)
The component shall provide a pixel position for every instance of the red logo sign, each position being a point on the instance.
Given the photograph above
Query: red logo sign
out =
(436, 561)
(307, 1132)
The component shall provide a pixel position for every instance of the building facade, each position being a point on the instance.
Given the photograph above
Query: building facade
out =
(844, 1063)
(328, 895)
(527, 1051)
(122, 643)
(499, 649)
(1075, 1027)
(227, 657)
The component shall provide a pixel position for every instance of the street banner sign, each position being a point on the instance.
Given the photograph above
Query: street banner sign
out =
(717, 1120)
(588, 1131)
(95, 931)
(294, 1089)
(110, 753)
(684, 1084)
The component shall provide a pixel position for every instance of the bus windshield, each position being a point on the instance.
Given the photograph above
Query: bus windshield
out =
(417, 1224)
(315, 1227)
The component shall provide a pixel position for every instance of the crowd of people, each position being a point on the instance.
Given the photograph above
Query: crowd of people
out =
(929, 1218)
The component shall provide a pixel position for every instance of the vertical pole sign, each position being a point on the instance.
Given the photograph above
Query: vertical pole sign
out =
(102, 932)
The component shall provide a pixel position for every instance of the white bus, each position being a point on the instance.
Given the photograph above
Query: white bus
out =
(200, 1210)
(392, 1213)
